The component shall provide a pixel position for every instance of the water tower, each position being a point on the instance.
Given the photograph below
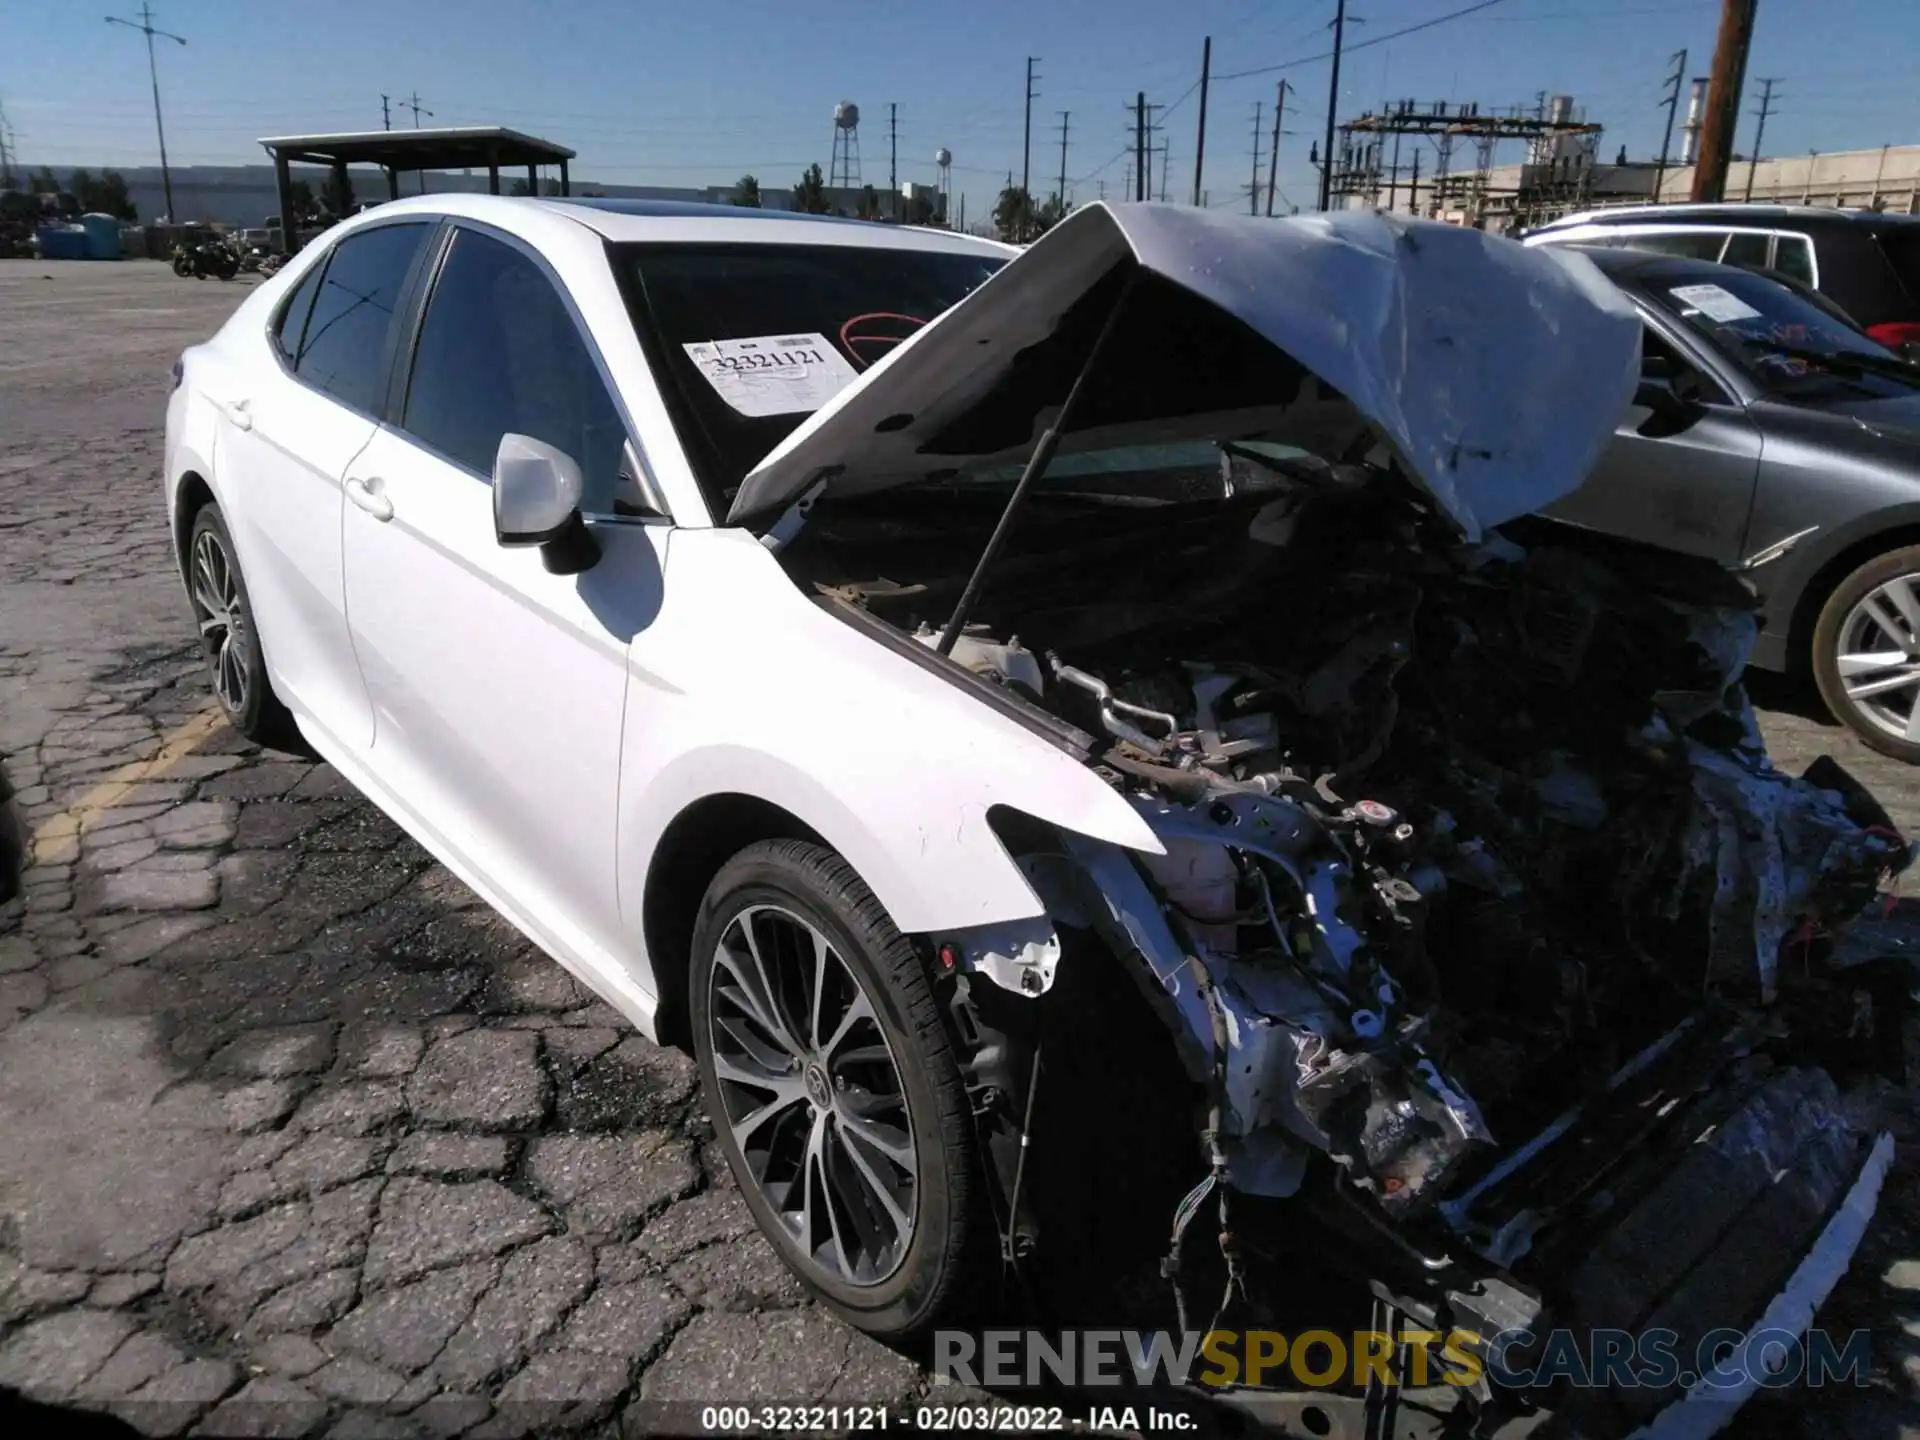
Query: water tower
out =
(844, 169)
(943, 162)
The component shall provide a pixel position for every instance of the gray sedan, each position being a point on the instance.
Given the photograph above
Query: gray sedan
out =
(1772, 435)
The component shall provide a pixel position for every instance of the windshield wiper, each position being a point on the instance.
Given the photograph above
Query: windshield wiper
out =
(1844, 362)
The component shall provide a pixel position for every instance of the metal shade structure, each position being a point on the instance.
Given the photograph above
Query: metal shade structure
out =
(459, 147)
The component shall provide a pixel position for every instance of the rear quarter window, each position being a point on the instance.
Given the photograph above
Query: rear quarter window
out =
(1901, 248)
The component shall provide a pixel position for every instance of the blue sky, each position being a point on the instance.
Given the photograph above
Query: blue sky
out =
(698, 94)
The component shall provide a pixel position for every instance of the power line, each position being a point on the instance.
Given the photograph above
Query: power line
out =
(1364, 44)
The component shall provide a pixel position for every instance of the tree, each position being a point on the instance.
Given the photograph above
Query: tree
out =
(810, 195)
(42, 182)
(336, 192)
(920, 211)
(300, 201)
(869, 206)
(746, 193)
(1013, 215)
(102, 194)
(519, 187)
(550, 186)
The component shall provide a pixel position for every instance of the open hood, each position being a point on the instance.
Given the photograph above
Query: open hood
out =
(1495, 372)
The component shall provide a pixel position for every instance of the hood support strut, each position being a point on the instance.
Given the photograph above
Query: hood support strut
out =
(1035, 467)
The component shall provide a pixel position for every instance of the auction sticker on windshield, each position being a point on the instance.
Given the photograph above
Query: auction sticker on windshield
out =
(1716, 304)
(773, 374)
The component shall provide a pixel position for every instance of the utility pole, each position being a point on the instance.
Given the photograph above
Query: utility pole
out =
(1064, 114)
(6, 151)
(1200, 145)
(1253, 185)
(145, 27)
(1760, 134)
(1393, 175)
(1140, 146)
(418, 109)
(1026, 153)
(1333, 103)
(1723, 99)
(893, 149)
(386, 114)
(1413, 193)
(1273, 155)
(1672, 102)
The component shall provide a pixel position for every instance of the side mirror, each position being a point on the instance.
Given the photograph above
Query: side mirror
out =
(536, 501)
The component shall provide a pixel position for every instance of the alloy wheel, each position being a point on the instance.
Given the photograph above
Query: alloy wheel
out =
(813, 1095)
(223, 620)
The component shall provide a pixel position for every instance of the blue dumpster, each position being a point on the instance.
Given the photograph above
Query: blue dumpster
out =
(103, 236)
(62, 242)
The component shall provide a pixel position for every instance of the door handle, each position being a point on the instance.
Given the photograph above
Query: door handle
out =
(237, 411)
(366, 494)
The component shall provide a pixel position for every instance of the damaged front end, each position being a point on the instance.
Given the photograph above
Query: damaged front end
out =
(1491, 939)
(1495, 942)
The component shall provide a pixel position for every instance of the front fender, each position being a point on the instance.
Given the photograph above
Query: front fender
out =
(744, 686)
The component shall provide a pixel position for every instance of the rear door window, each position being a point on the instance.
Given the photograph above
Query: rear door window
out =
(344, 347)
(1793, 255)
(1748, 248)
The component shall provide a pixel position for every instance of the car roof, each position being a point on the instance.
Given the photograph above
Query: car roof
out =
(1761, 217)
(685, 222)
(1624, 263)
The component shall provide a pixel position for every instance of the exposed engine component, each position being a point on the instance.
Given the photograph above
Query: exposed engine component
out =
(1011, 664)
(1455, 832)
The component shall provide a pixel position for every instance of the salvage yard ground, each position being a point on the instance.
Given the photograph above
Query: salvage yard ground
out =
(295, 1134)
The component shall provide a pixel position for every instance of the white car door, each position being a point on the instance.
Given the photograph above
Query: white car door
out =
(498, 688)
(289, 431)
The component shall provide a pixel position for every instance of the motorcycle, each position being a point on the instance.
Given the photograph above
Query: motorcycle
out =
(208, 257)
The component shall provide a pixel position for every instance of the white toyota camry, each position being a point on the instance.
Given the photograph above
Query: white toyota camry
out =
(884, 661)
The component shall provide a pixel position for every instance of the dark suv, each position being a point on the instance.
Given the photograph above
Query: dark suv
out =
(1866, 262)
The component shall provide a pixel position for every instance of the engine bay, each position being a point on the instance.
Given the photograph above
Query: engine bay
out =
(1453, 833)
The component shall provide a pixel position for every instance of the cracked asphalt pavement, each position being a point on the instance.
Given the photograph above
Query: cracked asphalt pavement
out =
(296, 1136)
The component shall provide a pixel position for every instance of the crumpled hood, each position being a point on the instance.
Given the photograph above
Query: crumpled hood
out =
(1495, 371)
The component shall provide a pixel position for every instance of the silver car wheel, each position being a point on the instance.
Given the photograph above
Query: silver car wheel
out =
(1879, 657)
(813, 1095)
(223, 621)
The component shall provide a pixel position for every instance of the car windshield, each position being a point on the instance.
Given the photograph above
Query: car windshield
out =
(751, 339)
(1780, 338)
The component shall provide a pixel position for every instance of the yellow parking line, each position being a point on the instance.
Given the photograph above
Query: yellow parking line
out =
(57, 839)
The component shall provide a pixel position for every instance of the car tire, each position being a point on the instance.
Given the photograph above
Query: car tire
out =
(1843, 626)
(223, 611)
(812, 1172)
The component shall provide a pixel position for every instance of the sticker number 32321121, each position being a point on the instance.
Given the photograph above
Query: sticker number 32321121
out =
(772, 374)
